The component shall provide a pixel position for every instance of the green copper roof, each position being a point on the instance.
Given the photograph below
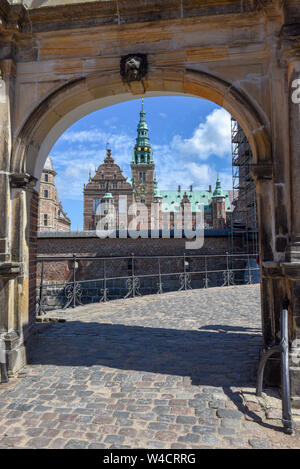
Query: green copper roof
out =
(157, 192)
(218, 192)
(171, 200)
(107, 195)
(142, 152)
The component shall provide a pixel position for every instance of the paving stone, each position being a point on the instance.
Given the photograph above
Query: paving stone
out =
(39, 442)
(114, 439)
(76, 444)
(210, 439)
(165, 435)
(229, 414)
(97, 446)
(226, 431)
(203, 430)
(158, 426)
(186, 420)
(259, 444)
(231, 423)
(156, 445)
(217, 404)
(189, 438)
(161, 410)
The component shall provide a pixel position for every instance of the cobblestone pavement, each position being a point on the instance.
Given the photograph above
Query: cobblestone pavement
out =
(170, 371)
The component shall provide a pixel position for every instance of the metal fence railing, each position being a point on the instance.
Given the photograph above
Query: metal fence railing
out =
(130, 276)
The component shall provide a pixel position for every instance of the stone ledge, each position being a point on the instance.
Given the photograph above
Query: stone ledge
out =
(281, 269)
(123, 234)
(9, 269)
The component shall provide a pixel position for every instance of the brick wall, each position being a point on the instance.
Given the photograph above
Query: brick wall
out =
(34, 203)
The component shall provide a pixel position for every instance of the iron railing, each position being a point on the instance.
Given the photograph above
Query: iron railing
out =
(247, 272)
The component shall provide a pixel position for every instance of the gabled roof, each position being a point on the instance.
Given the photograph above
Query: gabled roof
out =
(171, 200)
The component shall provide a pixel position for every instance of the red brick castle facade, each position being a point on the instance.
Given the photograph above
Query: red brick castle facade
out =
(109, 194)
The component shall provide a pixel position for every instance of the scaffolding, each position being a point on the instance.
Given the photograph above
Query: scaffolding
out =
(244, 214)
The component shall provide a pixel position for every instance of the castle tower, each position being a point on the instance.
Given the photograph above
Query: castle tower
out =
(51, 217)
(219, 207)
(142, 164)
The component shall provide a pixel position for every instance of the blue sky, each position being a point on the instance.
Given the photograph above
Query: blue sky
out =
(190, 139)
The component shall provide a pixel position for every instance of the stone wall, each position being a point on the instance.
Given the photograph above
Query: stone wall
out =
(117, 261)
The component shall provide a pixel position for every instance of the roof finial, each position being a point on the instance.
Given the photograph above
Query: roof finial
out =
(107, 145)
(142, 103)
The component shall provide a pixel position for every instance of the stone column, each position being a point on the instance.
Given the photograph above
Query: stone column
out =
(291, 269)
(8, 269)
(15, 193)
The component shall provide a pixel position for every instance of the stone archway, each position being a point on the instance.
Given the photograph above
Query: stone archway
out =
(251, 83)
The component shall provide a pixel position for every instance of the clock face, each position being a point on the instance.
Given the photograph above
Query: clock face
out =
(141, 189)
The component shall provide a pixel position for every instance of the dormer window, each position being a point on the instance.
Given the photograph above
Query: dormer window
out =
(46, 177)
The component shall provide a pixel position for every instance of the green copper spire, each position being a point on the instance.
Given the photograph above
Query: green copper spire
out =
(218, 192)
(142, 152)
(156, 193)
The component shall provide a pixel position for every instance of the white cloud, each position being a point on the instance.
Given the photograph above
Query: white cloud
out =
(210, 138)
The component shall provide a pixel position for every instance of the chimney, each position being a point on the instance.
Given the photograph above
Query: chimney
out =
(179, 188)
(191, 188)
(209, 189)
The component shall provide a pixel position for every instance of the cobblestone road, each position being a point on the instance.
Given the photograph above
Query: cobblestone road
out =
(170, 371)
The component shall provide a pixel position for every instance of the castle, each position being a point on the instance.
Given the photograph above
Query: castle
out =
(52, 216)
(108, 195)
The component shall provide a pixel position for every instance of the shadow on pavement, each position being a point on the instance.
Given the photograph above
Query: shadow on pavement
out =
(214, 355)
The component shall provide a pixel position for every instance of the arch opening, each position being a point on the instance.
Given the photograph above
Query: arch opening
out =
(69, 103)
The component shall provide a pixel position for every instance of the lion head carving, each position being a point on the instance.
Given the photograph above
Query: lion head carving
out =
(133, 67)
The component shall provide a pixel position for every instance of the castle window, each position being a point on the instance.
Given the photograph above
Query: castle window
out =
(46, 177)
(45, 219)
(101, 185)
(96, 203)
(142, 176)
(115, 185)
(102, 176)
(46, 194)
(143, 201)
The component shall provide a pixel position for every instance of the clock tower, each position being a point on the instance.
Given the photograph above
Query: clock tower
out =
(142, 164)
